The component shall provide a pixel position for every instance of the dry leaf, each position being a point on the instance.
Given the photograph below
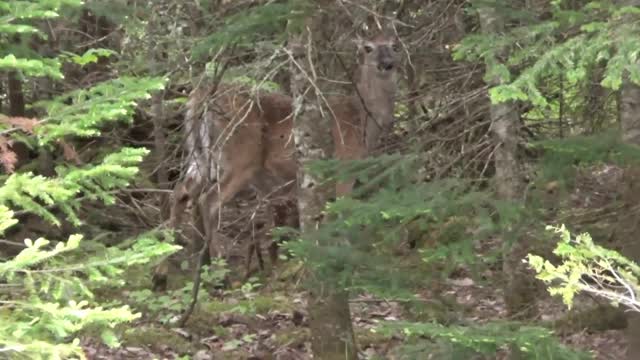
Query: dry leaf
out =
(22, 123)
(461, 282)
(69, 152)
(8, 158)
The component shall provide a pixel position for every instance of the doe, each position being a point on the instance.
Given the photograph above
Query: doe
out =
(250, 138)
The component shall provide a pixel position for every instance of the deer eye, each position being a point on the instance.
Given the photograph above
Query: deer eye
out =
(395, 47)
(368, 48)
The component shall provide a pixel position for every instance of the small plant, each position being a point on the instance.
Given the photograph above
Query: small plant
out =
(587, 267)
(55, 302)
(533, 342)
(51, 303)
(236, 343)
(169, 306)
(249, 288)
(248, 292)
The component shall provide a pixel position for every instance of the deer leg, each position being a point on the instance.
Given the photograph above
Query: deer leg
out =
(283, 218)
(254, 247)
(211, 203)
(255, 243)
(179, 200)
(182, 193)
(278, 212)
(250, 250)
(266, 231)
(200, 236)
(208, 206)
(259, 254)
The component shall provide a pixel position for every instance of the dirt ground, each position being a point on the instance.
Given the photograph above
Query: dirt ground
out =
(278, 329)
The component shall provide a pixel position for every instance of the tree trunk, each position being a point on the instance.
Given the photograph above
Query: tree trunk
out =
(630, 124)
(332, 334)
(160, 146)
(16, 96)
(629, 115)
(2, 99)
(161, 170)
(505, 121)
(594, 113)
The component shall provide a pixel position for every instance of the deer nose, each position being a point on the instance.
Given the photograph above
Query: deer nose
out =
(385, 65)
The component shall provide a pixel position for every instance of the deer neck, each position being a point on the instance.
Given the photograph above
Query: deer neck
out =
(375, 100)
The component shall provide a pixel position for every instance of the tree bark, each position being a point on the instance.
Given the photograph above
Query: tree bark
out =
(629, 115)
(505, 121)
(594, 112)
(2, 100)
(158, 119)
(160, 146)
(630, 125)
(16, 95)
(332, 334)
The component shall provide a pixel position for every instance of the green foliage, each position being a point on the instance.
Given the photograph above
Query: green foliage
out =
(571, 42)
(17, 18)
(453, 211)
(110, 101)
(52, 301)
(258, 85)
(488, 339)
(248, 26)
(168, 307)
(90, 56)
(562, 156)
(587, 267)
(236, 343)
(29, 10)
(36, 193)
(7, 219)
(80, 113)
(248, 293)
(42, 67)
(89, 110)
(116, 11)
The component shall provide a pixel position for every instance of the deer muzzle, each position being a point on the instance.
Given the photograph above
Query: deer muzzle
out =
(385, 66)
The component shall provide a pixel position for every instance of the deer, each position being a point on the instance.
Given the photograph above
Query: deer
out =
(250, 138)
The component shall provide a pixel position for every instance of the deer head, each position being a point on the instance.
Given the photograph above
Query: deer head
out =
(376, 84)
(380, 54)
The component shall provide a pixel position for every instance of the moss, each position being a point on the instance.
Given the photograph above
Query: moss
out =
(156, 337)
(204, 322)
(598, 318)
(292, 337)
(135, 278)
(367, 338)
(442, 309)
(220, 331)
(261, 304)
(289, 270)
(216, 307)
(233, 355)
(266, 303)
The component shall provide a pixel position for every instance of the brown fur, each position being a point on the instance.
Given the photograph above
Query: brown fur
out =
(251, 137)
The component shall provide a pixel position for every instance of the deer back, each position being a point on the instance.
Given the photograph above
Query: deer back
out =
(252, 133)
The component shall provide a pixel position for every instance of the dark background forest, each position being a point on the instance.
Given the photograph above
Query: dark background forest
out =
(496, 219)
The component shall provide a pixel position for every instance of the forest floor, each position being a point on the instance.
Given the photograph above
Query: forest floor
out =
(267, 318)
(270, 322)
